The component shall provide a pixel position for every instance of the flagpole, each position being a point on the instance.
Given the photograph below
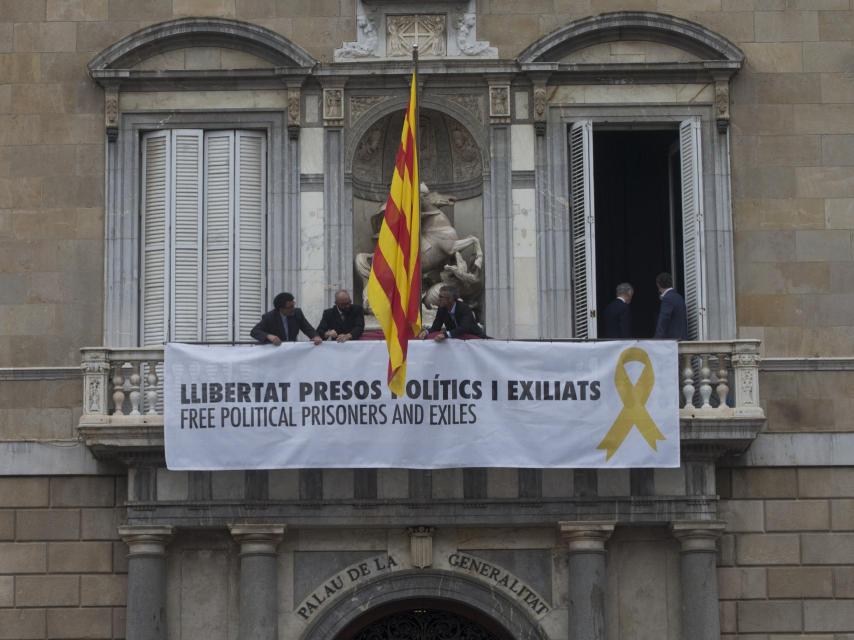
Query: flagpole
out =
(417, 159)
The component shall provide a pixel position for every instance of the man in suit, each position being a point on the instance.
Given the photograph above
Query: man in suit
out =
(283, 322)
(454, 317)
(617, 316)
(672, 315)
(343, 321)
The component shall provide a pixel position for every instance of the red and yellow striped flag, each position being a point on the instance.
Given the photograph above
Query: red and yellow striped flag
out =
(394, 286)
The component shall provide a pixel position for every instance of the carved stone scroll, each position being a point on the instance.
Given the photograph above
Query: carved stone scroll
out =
(111, 112)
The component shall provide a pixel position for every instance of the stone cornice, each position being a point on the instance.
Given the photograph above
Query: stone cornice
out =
(806, 364)
(40, 373)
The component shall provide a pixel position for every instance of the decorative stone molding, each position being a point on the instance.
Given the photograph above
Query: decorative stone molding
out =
(722, 104)
(186, 32)
(426, 30)
(257, 539)
(636, 25)
(585, 537)
(111, 112)
(421, 546)
(294, 100)
(146, 539)
(698, 536)
(470, 102)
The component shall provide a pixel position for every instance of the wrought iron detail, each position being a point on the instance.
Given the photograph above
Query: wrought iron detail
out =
(424, 624)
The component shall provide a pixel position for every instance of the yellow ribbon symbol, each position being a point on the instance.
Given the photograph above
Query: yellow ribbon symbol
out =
(634, 397)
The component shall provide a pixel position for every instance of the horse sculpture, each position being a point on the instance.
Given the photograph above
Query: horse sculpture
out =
(445, 257)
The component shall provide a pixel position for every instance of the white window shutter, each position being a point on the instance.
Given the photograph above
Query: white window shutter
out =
(690, 153)
(156, 199)
(250, 208)
(219, 222)
(583, 230)
(186, 235)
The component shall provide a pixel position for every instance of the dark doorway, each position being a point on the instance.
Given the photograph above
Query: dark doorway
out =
(637, 194)
(427, 620)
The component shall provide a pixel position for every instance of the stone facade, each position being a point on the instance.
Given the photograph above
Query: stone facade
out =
(779, 172)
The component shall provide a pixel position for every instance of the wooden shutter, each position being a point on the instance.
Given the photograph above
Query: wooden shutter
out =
(186, 235)
(582, 230)
(218, 246)
(690, 154)
(156, 200)
(250, 209)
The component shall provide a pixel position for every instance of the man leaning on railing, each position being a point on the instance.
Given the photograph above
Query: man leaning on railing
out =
(283, 322)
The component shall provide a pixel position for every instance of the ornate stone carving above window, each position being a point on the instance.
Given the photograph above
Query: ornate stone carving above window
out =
(387, 29)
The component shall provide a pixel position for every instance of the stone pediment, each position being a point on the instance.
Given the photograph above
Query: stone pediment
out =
(202, 58)
(628, 51)
(166, 39)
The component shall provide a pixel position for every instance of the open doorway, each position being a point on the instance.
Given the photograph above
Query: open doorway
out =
(638, 217)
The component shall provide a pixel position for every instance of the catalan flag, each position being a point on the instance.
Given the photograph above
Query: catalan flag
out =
(394, 286)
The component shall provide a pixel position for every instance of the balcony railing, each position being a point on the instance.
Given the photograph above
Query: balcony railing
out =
(719, 395)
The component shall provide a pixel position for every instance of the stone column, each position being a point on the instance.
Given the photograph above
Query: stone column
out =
(259, 584)
(700, 611)
(587, 577)
(146, 598)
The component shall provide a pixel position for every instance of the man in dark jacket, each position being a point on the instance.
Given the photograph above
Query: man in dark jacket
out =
(343, 321)
(617, 316)
(283, 322)
(454, 317)
(672, 315)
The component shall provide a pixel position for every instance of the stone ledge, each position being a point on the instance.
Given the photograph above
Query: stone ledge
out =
(407, 513)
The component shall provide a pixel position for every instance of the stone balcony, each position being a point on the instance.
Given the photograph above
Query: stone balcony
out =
(719, 398)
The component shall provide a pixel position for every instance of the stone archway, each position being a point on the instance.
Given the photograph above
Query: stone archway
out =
(464, 597)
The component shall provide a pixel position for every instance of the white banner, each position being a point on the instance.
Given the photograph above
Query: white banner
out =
(477, 403)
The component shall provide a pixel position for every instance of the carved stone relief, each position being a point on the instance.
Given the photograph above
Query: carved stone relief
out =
(389, 28)
(499, 101)
(333, 104)
(360, 104)
(471, 103)
(428, 31)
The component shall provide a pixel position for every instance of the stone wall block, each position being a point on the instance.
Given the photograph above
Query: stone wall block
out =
(742, 515)
(7, 591)
(22, 624)
(818, 482)
(829, 615)
(843, 582)
(764, 483)
(76, 10)
(79, 623)
(103, 590)
(800, 582)
(742, 583)
(100, 524)
(827, 548)
(766, 616)
(804, 515)
(48, 524)
(82, 491)
(23, 492)
(786, 26)
(47, 591)
(842, 515)
(23, 557)
(45, 36)
(80, 557)
(768, 549)
(7, 525)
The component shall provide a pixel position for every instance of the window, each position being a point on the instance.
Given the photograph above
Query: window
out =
(203, 210)
(662, 235)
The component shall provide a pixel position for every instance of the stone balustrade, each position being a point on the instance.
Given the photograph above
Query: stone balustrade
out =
(122, 392)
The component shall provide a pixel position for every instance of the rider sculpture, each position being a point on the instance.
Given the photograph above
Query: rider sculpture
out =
(445, 257)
